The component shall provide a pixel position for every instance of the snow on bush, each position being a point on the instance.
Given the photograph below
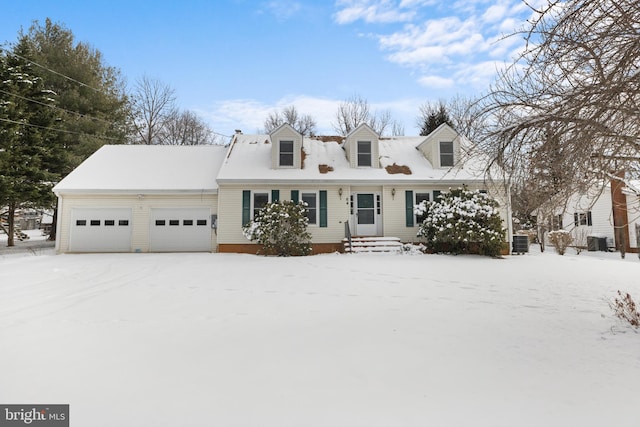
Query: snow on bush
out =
(462, 221)
(560, 239)
(281, 229)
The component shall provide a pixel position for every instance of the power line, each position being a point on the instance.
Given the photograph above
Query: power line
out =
(56, 107)
(55, 72)
(57, 130)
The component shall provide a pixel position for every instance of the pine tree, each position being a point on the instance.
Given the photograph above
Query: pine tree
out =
(28, 154)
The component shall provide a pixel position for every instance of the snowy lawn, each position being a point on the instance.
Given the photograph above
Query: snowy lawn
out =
(329, 340)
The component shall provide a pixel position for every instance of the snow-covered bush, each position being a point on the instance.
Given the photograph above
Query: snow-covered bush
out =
(560, 239)
(625, 309)
(462, 221)
(281, 229)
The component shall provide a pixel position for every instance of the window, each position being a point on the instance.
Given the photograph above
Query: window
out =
(174, 222)
(260, 200)
(109, 222)
(311, 199)
(364, 153)
(446, 153)
(556, 222)
(124, 222)
(95, 222)
(286, 153)
(201, 222)
(81, 222)
(582, 218)
(160, 222)
(187, 222)
(421, 197)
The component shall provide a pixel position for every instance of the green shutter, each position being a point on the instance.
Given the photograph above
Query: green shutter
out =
(275, 196)
(323, 208)
(408, 200)
(295, 196)
(246, 207)
(436, 194)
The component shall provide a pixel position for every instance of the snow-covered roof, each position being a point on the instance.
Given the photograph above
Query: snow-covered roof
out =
(146, 168)
(249, 160)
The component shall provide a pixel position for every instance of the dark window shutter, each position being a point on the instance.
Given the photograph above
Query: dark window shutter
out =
(408, 198)
(436, 194)
(589, 222)
(576, 219)
(246, 207)
(275, 196)
(323, 208)
(295, 196)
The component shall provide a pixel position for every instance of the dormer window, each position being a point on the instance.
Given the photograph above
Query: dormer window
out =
(364, 153)
(286, 153)
(446, 153)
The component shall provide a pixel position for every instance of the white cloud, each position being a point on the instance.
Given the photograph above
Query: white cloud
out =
(248, 114)
(371, 11)
(281, 9)
(446, 39)
(436, 82)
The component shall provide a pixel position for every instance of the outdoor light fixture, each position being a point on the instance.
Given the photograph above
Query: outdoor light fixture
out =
(393, 193)
(340, 193)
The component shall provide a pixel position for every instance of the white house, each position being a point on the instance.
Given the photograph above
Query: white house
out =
(610, 211)
(363, 181)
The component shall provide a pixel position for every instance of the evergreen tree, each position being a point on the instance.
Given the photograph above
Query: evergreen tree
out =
(28, 152)
(432, 116)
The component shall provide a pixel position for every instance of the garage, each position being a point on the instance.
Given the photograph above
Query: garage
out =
(100, 230)
(180, 230)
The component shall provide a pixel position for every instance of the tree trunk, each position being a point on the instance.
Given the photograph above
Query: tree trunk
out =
(11, 222)
(54, 224)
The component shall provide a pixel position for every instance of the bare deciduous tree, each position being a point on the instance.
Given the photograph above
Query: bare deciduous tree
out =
(185, 128)
(304, 124)
(152, 104)
(573, 97)
(355, 111)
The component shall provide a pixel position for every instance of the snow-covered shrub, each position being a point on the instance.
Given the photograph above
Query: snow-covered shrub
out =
(560, 239)
(462, 221)
(281, 229)
(625, 309)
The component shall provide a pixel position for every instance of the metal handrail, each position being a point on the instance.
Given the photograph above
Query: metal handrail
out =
(347, 235)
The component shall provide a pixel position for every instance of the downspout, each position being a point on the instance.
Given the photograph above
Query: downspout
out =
(620, 216)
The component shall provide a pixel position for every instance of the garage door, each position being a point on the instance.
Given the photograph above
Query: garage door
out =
(100, 230)
(180, 230)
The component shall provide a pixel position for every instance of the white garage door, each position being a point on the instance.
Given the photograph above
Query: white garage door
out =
(180, 230)
(100, 230)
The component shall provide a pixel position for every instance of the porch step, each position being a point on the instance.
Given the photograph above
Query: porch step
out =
(373, 244)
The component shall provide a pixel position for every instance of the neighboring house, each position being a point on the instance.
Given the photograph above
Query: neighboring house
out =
(610, 211)
(365, 182)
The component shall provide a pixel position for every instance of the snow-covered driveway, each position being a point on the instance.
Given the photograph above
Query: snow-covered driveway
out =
(329, 340)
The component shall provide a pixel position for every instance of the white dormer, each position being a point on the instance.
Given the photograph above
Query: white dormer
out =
(286, 148)
(361, 146)
(442, 147)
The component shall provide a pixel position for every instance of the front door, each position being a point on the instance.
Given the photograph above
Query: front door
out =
(366, 214)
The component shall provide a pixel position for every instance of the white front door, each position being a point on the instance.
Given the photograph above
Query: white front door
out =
(366, 209)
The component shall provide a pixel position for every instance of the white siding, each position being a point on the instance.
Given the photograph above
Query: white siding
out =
(140, 207)
(230, 204)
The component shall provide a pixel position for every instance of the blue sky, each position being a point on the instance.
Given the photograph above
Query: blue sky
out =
(234, 61)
